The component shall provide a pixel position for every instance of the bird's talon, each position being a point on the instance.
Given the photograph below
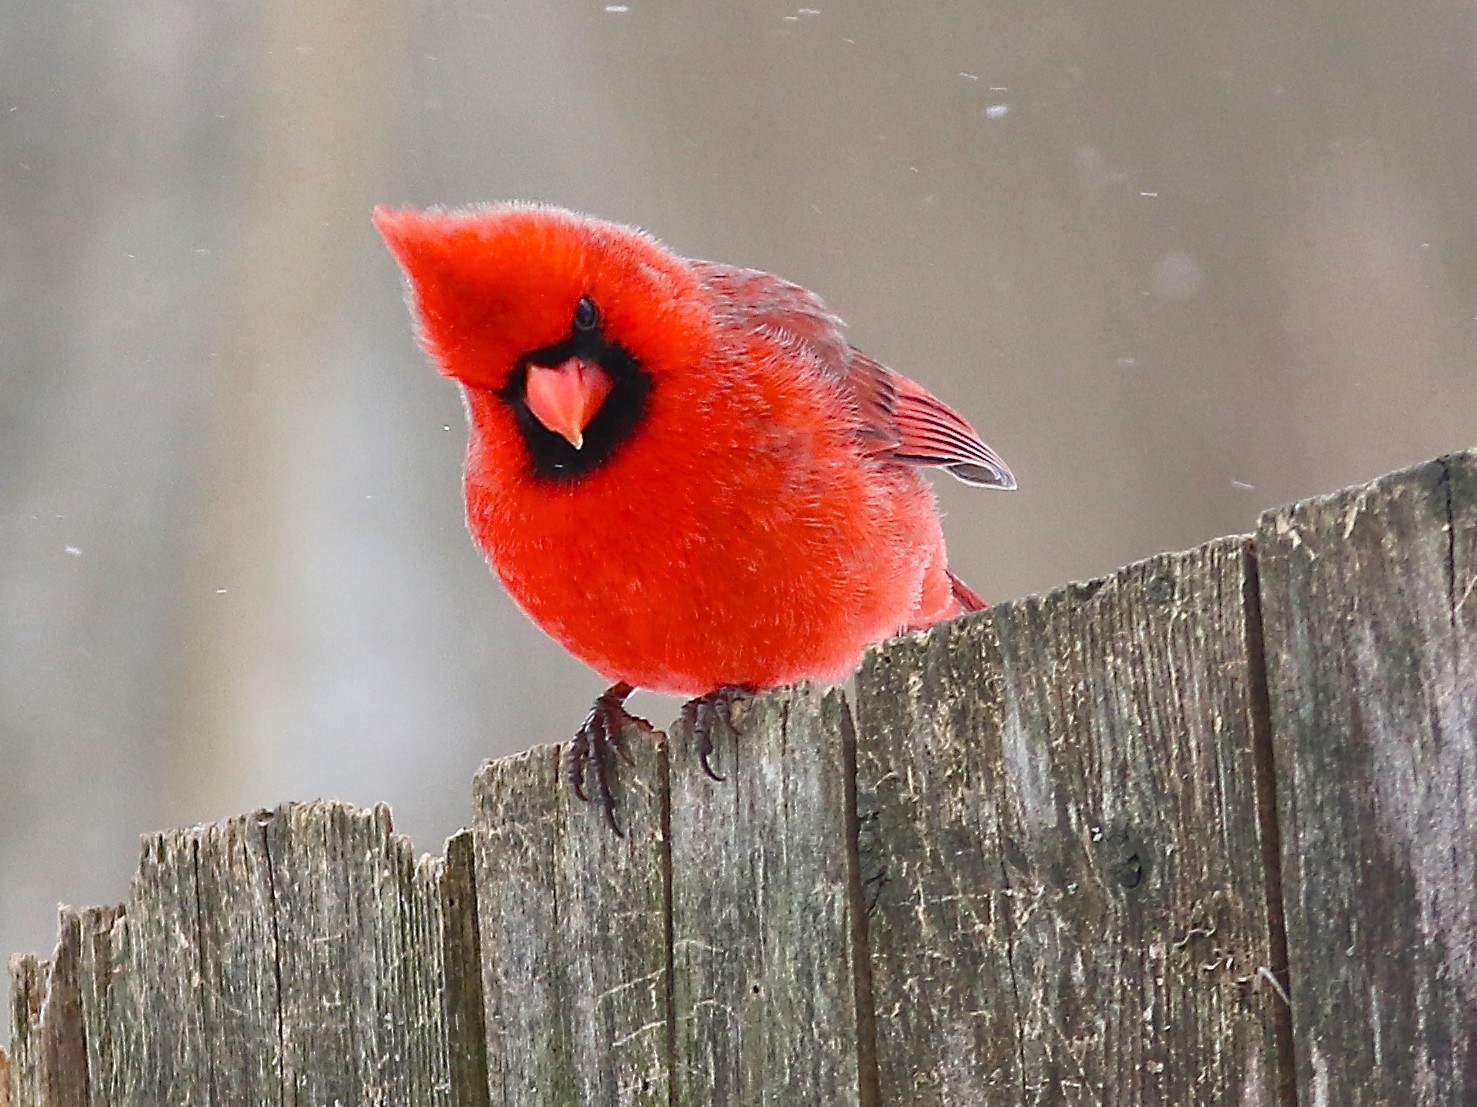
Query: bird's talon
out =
(701, 713)
(702, 756)
(579, 752)
(590, 750)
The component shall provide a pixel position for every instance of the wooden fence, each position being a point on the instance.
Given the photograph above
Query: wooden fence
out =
(1201, 832)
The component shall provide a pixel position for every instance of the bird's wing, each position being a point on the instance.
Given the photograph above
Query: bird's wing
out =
(896, 418)
(930, 432)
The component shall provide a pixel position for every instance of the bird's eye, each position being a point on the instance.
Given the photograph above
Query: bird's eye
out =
(586, 315)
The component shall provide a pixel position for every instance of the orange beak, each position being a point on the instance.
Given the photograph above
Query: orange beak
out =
(565, 397)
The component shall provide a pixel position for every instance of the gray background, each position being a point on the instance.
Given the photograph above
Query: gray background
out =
(1178, 262)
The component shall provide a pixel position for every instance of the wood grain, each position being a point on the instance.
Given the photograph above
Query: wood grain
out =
(1061, 807)
(1370, 603)
(573, 933)
(763, 984)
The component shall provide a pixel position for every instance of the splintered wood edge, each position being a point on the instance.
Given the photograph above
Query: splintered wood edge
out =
(49, 1045)
(25, 1013)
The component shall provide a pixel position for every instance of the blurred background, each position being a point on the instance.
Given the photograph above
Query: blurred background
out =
(1179, 263)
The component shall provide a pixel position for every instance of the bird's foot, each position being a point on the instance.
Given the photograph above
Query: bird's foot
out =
(702, 713)
(592, 748)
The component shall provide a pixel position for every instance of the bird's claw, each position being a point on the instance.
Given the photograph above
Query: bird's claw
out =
(591, 748)
(590, 752)
(715, 707)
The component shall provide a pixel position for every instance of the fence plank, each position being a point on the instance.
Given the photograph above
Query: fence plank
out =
(1061, 806)
(573, 933)
(928, 778)
(357, 926)
(50, 1052)
(462, 956)
(761, 910)
(104, 933)
(193, 1003)
(27, 984)
(1370, 603)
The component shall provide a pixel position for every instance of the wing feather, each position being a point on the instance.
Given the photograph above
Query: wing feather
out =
(896, 418)
(932, 433)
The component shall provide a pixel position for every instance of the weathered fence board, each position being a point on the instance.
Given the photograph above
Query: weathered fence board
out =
(928, 772)
(761, 911)
(1045, 861)
(1370, 602)
(573, 933)
(1072, 905)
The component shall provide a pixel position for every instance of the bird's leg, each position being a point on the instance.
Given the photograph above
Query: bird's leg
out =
(592, 746)
(713, 707)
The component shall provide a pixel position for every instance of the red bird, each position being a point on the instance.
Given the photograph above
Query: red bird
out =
(680, 469)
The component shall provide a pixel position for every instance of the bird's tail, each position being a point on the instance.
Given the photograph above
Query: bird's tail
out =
(965, 596)
(945, 596)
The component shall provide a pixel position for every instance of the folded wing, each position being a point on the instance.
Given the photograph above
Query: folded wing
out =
(932, 433)
(896, 418)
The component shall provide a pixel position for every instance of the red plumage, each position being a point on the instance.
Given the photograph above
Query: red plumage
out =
(762, 522)
(745, 506)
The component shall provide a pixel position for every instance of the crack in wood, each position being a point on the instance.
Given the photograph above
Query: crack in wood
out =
(1264, 766)
(1452, 605)
(868, 1089)
(263, 821)
(200, 947)
(669, 966)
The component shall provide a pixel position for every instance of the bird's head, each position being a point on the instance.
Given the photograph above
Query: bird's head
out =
(567, 320)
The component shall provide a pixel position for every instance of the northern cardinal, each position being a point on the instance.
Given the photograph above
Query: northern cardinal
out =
(679, 469)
